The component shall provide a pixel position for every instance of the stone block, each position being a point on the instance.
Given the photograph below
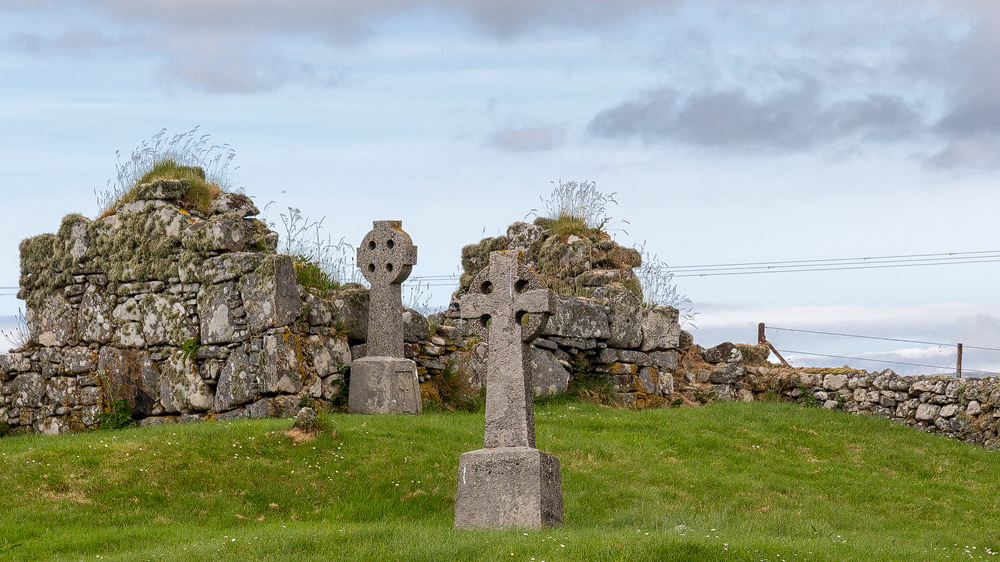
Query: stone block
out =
(548, 377)
(384, 385)
(238, 381)
(664, 360)
(77, 360)
(28, 389)
(222, 233)
(927, 412)
(660, 329)
(318, 311)
(217, 307)
(270, 294)
(182, 388)
(351, 310)
(727, 373)
(471, 364)
(508, 487)
(227, 267)
(329, 354)
(53, 324)
(236, 203)
(279, 365)
(625, 320)
(578, 318)
(415, 326)
(95, 315)
(133, 376)
(834, 382)
(722, 353)
(164, 320)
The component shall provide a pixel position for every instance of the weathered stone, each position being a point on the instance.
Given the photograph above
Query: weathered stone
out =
(727, 373)
(236, 203)
(276, 407)
(949, 410)
(78, 360)
(625, 320)
(228, 267)
(834, 382)
(722, 353)
(508, 487)
(14, 363)
(415, 326)
(521, 235)
(318, 312)
(279, 365)
(351, 305)
(164, 320)
(28, 389)
(576, 317)
(974, 408)
(216, 307)
(223, 233)
(238, 382)
(269, 294)
(306, 420)
(329, 354)
(133, 377)
(660, 329)
(664, 360)
(927, 412)
(384, 385)
(54, 323)
(95, 314)
(548, 377)
(471, 364)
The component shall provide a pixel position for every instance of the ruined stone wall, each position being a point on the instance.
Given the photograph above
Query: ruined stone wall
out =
(184, 315)
(962, 408)
(190, 315)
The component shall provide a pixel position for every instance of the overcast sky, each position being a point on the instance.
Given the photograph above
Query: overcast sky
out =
(730, 131)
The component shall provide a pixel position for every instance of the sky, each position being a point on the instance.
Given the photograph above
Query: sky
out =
(728, 131)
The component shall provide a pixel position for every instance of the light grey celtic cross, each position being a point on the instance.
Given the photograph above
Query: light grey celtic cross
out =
(508, 306)
(386, 257)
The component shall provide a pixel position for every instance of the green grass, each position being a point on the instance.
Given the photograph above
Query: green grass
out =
(747, 482)
(199, 197)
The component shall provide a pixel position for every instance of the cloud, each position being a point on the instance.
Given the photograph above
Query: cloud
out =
(787, 120)
(78, 42)
(529, 139)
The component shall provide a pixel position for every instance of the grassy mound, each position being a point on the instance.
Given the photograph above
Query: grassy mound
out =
(724, 482)
(198, 198)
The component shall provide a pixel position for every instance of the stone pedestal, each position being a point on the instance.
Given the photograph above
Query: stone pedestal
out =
(508, 487)
(384, 385)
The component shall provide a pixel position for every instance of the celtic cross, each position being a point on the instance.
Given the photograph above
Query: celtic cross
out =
(386, 257)
(508, 306)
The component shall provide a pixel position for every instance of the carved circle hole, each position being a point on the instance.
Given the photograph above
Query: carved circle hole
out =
(485, 320)
(388, 267)
(521, 286)
(371, 245)
(389, 244)
(522, 317)
(486, 287)
(371, 267)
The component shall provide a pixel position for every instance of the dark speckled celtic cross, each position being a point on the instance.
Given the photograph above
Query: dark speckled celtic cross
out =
(508, 306)
(386, 257)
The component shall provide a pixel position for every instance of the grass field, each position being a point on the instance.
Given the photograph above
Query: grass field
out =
(760, 482)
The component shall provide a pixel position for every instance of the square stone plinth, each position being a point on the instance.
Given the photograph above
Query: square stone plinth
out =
(508, 487)
(384, 385)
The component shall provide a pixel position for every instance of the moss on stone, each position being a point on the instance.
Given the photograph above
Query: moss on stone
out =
(139, 249)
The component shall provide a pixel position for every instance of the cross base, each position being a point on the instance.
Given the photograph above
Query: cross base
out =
(508, 487)
(384, 385)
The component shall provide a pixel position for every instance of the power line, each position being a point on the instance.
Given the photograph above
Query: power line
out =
(879, 361)
(881, 338)
(836, 264)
